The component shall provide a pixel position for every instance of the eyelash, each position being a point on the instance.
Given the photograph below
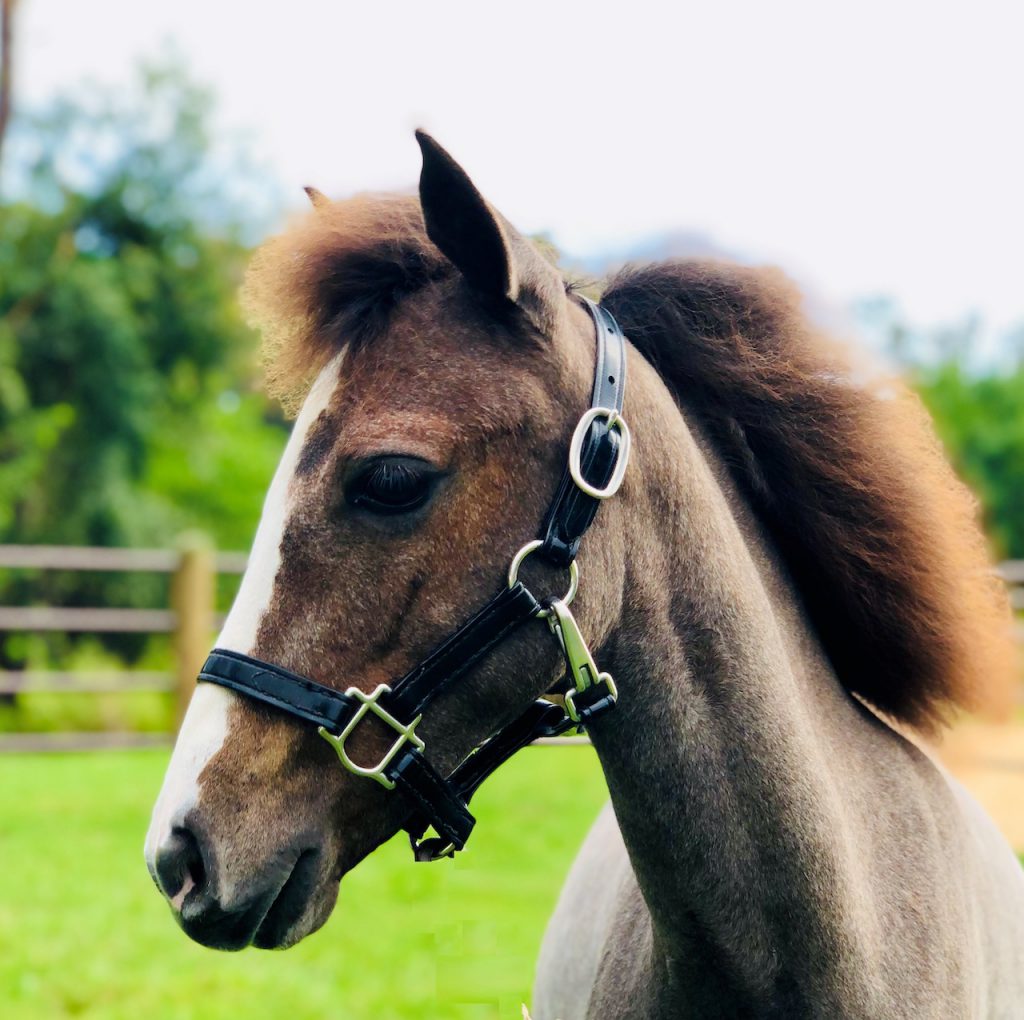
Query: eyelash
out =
(391, 485)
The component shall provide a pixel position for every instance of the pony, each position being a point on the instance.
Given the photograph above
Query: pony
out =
(790, 589)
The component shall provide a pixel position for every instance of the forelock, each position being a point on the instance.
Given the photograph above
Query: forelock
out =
(333, 279)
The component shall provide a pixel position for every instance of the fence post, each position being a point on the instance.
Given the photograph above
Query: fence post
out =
(192, 595)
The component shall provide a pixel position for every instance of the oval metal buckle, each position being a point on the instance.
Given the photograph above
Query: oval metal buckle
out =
(576, 451)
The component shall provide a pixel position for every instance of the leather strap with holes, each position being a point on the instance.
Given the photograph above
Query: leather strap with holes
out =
(572, 511)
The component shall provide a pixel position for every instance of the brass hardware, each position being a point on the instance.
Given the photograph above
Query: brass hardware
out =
(582, 668)
(370, 703)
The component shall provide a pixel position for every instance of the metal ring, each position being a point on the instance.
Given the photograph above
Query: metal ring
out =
(517, 562)
(576, 452)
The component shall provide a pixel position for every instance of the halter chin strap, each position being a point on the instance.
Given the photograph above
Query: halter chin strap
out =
(598, 455)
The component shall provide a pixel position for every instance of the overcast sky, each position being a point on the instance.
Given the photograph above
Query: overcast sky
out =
(867, 147)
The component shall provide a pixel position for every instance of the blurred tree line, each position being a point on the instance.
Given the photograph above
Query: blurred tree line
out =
(129, 399)
(973, 385)
(981, 420)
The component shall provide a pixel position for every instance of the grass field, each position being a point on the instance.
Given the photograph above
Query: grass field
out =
(83, 932)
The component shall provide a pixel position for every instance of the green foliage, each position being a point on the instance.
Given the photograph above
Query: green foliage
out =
(128, 404)
(981, 421)
(74, 710)
(973, 386)
(83, 932)
(118, 311)
(213, 470)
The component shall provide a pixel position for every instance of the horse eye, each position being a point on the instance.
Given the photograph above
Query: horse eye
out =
(392, 485)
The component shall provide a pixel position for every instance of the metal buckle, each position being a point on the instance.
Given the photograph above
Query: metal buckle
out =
(369, 703)
(517, 562)
(578, 658)
(576, 452)
(428, 849)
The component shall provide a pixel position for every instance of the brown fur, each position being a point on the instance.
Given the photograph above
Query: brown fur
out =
(878, 533)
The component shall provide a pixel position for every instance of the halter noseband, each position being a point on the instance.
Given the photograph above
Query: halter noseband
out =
(598, 455)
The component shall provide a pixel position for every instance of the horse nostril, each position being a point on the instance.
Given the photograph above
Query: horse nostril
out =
(179, 866)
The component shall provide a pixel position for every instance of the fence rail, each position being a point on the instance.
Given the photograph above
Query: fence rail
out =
(83, 682)
(102, 741)
(190, 619)
(1012, 571)
(95, 621)
(104, 558)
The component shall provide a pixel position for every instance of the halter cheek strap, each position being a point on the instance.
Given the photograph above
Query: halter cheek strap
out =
(598, 455)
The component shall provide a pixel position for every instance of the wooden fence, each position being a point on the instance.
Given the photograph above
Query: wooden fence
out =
(190, 618)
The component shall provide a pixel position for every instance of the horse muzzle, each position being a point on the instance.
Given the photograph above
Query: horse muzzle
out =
(285, 901)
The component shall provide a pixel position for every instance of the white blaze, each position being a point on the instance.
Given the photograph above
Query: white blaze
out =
(205, 725)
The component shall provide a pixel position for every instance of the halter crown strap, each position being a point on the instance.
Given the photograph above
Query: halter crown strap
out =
(573, 510)
(597, 459)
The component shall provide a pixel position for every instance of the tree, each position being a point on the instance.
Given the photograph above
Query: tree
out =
(981, 420)
(977, 403)
(125, 366)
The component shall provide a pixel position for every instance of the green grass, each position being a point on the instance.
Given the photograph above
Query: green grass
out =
(83, 933)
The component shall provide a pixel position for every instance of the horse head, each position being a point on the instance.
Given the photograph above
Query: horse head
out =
(446, 365)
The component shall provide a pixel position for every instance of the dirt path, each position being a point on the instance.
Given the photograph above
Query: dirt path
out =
(989, 760)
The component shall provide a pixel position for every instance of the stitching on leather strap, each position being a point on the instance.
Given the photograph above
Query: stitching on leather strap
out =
(439, 820)
(467, 664)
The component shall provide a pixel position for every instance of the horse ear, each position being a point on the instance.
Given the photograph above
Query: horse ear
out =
(461, 223)
(317, 197)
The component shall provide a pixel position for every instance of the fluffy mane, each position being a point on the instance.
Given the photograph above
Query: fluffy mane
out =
(879, 535)
(334, 276)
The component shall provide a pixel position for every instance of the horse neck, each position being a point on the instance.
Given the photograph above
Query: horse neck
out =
(717, 756)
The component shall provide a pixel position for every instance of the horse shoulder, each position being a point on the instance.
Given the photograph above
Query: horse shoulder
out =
(994, 877)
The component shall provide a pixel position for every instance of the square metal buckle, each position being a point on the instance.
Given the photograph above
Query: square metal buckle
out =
(370, 703)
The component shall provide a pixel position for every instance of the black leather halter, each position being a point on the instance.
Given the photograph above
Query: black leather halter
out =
(598, 456)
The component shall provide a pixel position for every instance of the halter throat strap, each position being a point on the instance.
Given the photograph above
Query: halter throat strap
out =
(597, 459)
